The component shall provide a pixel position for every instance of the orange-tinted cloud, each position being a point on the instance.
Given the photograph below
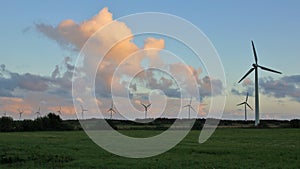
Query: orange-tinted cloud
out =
(247, 82)
(12, 104)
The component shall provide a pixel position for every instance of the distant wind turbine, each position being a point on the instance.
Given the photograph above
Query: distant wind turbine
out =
(21, 111)
(4, 114)
(245, 103)
(255, 67)
(82, 111)
(146, 108)
(38, 113)
(111, 110)
(190, 107)
(59, 111)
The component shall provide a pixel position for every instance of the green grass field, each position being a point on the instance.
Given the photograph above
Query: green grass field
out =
(227, 148)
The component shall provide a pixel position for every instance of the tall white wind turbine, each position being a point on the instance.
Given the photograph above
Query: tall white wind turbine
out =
(146, 108)
(255, 67)
(82, 111)
(111, 110)
(190, 107)
(21, 111)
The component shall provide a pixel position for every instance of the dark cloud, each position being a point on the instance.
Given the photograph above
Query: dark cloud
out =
(132, 86)
(11, 81)
(292, 79)
(68, 65)
(2, 67)
(210, 87)
(155, 80)
(56, 83)
(6, 93)
(56, 72)
(30, 82)
(288, 86)
(248, 89)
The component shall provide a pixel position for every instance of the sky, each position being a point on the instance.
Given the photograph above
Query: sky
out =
(37, 57)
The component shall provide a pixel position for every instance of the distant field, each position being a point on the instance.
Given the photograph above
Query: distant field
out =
(227, 148)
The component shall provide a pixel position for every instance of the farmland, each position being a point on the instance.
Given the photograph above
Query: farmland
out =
(227, 148)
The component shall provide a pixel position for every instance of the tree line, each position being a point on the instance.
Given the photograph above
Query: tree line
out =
(53, 122)
(50, 122)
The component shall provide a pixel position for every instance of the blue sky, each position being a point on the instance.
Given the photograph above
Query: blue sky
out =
(230, 25)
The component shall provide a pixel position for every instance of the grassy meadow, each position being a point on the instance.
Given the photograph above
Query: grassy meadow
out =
(227, 148)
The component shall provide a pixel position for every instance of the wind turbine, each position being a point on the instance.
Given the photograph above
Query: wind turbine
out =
(59, 111)
(255, 67)
(190, 107)
(146, 108)
(82, 111)
(21, 111)
(111, 110)
(38, 113)
(246, 104)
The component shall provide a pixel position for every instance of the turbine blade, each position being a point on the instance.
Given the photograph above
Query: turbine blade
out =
(148, 105)
(191, 101)
(270, 70)
(185, 106)
(247, 97)
(240, 104)
(254, 52)
(193, 109)
(246, 74)
(249, 106)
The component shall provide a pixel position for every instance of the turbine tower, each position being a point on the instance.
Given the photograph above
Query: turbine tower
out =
(82, 111)
(111, 110)
(38, 113)
(190, 107)
(245, 103)
(255, 67)
(146, 108)
(21, 111)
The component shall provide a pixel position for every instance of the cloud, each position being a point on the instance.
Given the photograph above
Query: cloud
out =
(69, 34)
(201, 109)
(152, 79)
(13, 84)
(152, 46)
(56, 72)
(10, 104)
(118, 38)
(123, 54)
(288, 86)
(210, 87)
(2, 66)
(26, 81)
(248, 89)
(247, 82)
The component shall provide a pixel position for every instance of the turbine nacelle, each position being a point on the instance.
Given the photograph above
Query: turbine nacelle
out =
(255, 65)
